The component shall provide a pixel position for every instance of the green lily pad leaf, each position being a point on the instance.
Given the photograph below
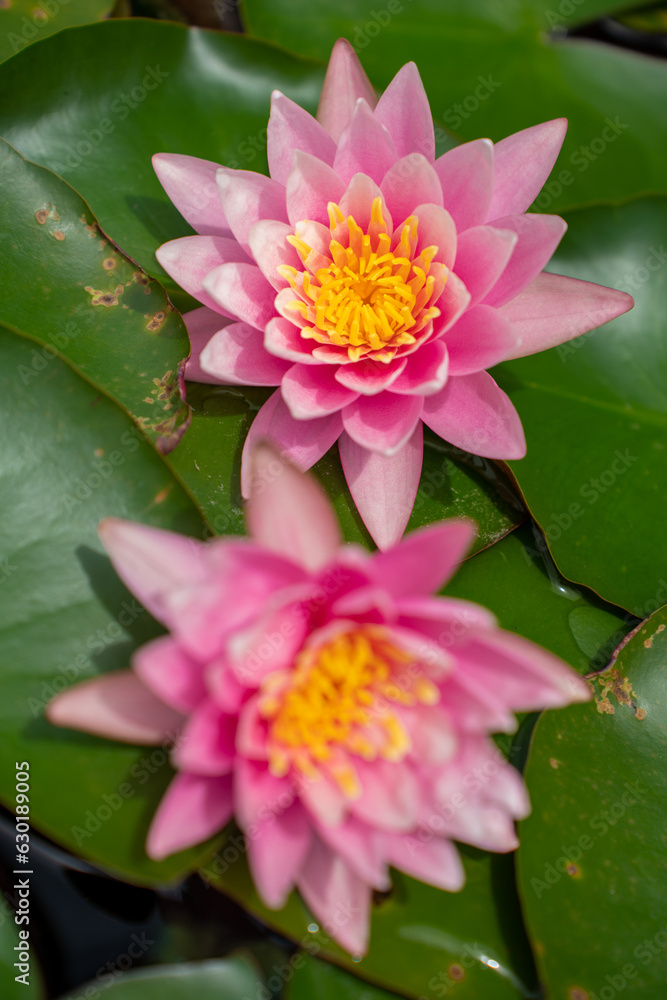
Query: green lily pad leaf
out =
(213, 980)
(591, 862)
(68, 458)
(15, 983)
(313, 978)
(23, 22)
(595, 415)
(208, 463)
(491, 69)
(160, 88)
(67, 286)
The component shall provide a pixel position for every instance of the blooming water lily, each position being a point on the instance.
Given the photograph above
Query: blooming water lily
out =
(375, 284)
(322, 697)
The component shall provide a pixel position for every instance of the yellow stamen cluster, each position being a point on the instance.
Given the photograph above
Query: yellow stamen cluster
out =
(364, 296)
(337, 700)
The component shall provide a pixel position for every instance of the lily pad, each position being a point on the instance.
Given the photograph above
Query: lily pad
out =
(313, 978)
(595, 415)
(591, 862)
(69, 457)
(67, 286)
(490, 69)
(212, 980)
(23, 22)
(159, 88)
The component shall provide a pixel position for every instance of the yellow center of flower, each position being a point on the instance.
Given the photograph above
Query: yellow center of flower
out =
(340, 698)
(370, 293)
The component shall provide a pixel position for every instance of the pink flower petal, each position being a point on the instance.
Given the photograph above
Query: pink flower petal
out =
(383, 423)
(482, 255)
(448, 620)
(190, 185)
(364, 147)
(291, 128)
(193, 808)
(202, 324)
(313, 391)
(522, 163)
(345, 82)
(370, 377)
(273, 640)
(189, 260)
(116, 706)
(311, 185)
(361, 847)
(466, 176)
(247, 198)
(520, 674)
(554, 309)
(390, 795)
(478, 340)
(302, 442)
(539, 235)
(289, 513)
(404, 111)
(425, 559)
(284, 340)
(436, 228)
(324, 799)
(277, 851)
(206, 744)
(268, 244)
(383, 488)
(452, 303)
(237, 355)
(410, 182)
(152, 563)
(337, 897)
(241, 290)
(426, 370)
(173, 676)
(358, 200)
(258, 793)
(473, 413)
(427, 857)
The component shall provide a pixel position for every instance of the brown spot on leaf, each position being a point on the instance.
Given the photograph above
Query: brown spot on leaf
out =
(456, 972)
(573, 870)
(99, 298)
(162, 495)
(42, 215)
(4, 4)
(577, 993)
(156, 321)
(59, 235)
(612, 684)
(648, 642)
(108, 264)
(40, 14)
(140, 277)
(91, 229)
(554, 763)
(660, 628)
(99, 452)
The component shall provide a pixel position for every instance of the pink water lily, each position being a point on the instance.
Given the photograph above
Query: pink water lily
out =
(322, 697)
(375, 284)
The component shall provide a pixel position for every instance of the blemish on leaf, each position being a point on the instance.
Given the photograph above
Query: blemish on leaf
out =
(577, 993)
(4, 4)
(162, 495)
(148, 399)
(660, 628)
(156, 321)
(612, 684)
(573, 870)
(648, 643)
(140, 277)
(554, 763)
(42, 215)
(99, 452)
(456, 972)
(40, 14)
(91, 229)
(108, 264)
(59, 235)
(100, 298)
